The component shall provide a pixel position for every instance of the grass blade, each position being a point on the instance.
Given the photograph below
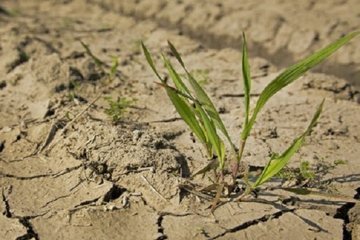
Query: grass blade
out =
(97, 61)
(209, 129)
(176, 54)
(212, 135)
(246, 80)
(202, 97)
(293, 73)
(187, 114)
(277, 163)
(150, 61)
(180, 85)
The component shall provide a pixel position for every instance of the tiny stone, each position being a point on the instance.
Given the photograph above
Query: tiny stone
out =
(101, 168)
(111, 207)
(98, 180)
(136, 135)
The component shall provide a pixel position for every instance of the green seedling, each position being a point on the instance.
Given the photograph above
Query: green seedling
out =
(117, 108)
(113, 69)
(199, 113)
(340, 162)
(307, 177)
(305, 170)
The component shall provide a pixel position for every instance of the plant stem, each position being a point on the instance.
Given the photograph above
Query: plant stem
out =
(235, 167)
(242, 147)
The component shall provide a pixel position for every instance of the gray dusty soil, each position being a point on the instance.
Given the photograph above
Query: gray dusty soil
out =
(68, 172)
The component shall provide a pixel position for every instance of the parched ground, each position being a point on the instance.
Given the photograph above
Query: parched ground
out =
(68, 172)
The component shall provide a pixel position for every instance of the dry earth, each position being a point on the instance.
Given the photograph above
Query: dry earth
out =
(68, 172)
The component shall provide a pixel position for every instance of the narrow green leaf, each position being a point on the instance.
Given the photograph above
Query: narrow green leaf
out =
(150, 61)
(246, 79)
(187, 114)
(183, 91)
(293, 73)
(277, 163)
(209, 108)
(180, 93)
(315, 118)
(176, 77)
(213, 164)
(202, 97)
(97, 61)
(176, 54)
(211, 133)
(222, 151)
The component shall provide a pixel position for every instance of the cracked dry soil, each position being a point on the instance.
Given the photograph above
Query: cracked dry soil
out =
(67, 172)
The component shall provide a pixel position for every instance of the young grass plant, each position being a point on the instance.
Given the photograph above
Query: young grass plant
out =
(117, 108)
(199, 113)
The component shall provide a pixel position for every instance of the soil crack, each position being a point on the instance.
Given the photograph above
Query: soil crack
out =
(343, 213)
(7, 212)
(24, 220)
(162, 215)
(60, 173)
(31, 233)
(254, 222)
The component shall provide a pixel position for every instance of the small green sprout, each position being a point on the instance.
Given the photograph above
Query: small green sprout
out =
(117, 108)
(113, 70)
(340, 162)
(305, 170)
(199, 113)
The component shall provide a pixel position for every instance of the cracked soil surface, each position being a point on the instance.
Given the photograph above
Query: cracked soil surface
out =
(68, 172)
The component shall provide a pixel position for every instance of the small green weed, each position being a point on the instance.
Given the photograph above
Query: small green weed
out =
(303, 172)
(199, 113)
(310, 176)
(340, 162)
(117, 108)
